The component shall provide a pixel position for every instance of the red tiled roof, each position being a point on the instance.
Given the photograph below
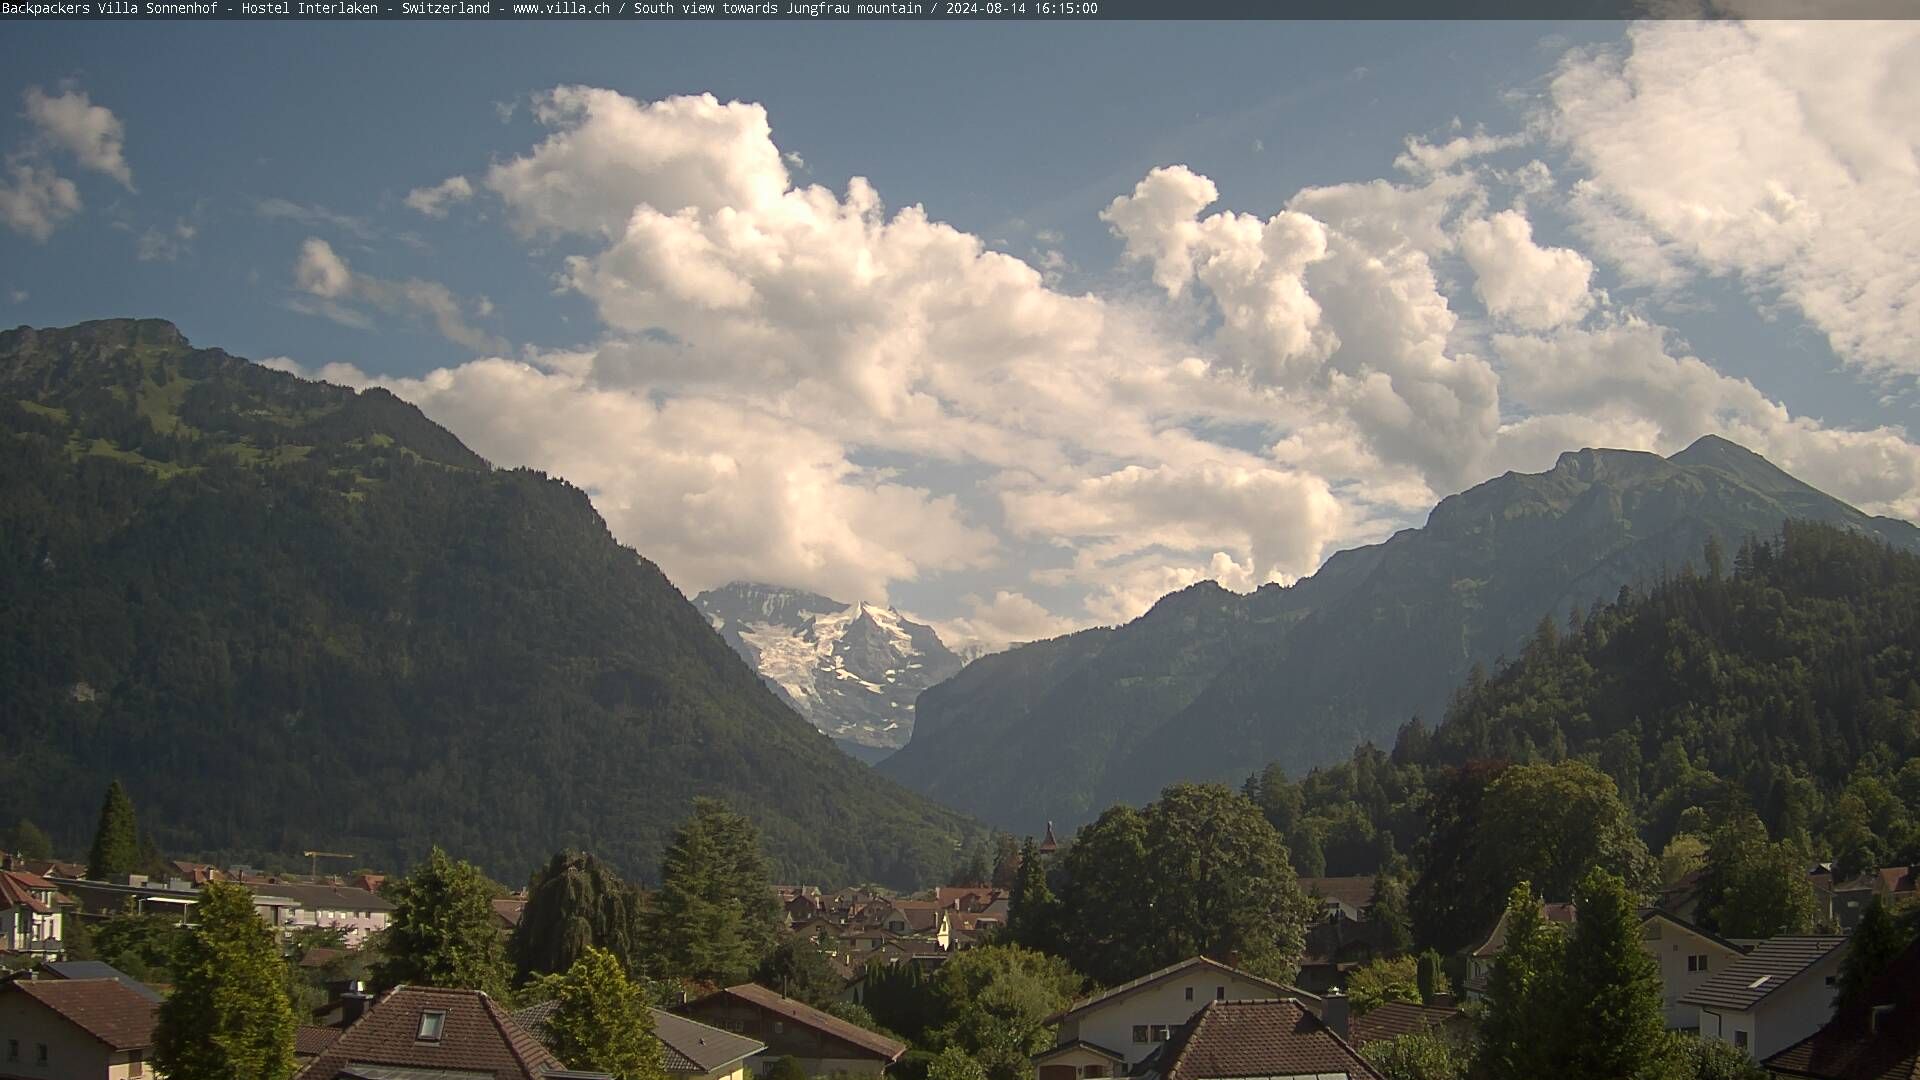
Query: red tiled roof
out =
(761, 997)
(1259, 1038)
(1855, 1045)
(103, 1008)
(1392, 1019)
(477, 1036)
(311, 1041)
(16, 890)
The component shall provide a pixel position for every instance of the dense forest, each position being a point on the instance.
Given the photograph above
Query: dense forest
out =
(1209, 680)
(288, 616)
(1781, 678)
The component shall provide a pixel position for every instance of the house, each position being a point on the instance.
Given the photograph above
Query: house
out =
(1481, 957)
(920, 918)
(822, 1043)
(1350, 896)
(688, 1048)
(1392, 1019)
(173, 897)
(507, 911)
(1688, 957)
(96, 969)
(1877, 1038)
(416, 1032)
(30, 915)
(1113, 1031)
(693, 1049)
(1772, 997)
(1260, 1038)
(354, 912)
(74, 1029)
(1849, 899)
(1337, 944)
(968, 897)
(310, 1042)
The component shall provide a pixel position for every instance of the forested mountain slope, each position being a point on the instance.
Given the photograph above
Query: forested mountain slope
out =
(1210, 684)
(1783, 674)
(289, 616)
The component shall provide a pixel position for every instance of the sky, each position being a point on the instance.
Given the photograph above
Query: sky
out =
(1016, 328)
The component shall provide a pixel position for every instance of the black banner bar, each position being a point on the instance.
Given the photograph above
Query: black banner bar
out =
(1011, 11)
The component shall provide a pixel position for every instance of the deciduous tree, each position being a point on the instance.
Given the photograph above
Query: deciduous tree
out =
(228, 1016)
(442, 931)
(601, 1020)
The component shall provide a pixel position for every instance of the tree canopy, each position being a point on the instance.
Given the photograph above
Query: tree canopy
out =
(442, 931)
(574, 903)
(228, 1017)
(716, 914)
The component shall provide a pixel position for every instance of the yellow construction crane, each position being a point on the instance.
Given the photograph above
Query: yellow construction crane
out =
(316, 856)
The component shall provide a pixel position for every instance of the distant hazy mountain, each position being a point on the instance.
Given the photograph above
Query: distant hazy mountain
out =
(1212, 685)
(290, 616)
(852, 669)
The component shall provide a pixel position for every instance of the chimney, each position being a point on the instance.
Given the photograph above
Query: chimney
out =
(1442, 999)
(354, 1003)
(1333, 1010)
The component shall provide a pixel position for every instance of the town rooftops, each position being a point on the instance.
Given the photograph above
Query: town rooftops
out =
(1392, 1019)
(103, 1008)
(1355, 892)
(17, 888)
(690, 1046)
(686, 1046)
(310, 1041)
(413, 1033)
(1192, 963)
(1772, 964)
(789, 1009)
(325, 897)
(1648, 915)
(99, 969)
(1876, 1038)
(1079, 1044)
(1259, 1038)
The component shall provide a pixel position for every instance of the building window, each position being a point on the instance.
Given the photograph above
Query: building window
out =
(1740, 1039)
(431, 1023)
(1159, 1033)
(13, 1048)
(1139, 1033)
(1092, 1072)
(1189, 993)
(1219, 993)
(136, 1067)
(40, 1054)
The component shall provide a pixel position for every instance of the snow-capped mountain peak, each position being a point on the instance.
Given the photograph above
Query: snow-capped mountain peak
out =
(854, 670)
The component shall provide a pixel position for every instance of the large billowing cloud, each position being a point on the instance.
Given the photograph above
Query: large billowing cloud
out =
(804, 384)
(1786, 153)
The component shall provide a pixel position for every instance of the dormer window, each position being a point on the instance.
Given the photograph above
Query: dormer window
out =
(431, 1023)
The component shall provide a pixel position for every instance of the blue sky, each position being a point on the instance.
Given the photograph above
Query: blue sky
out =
(1352, 268)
